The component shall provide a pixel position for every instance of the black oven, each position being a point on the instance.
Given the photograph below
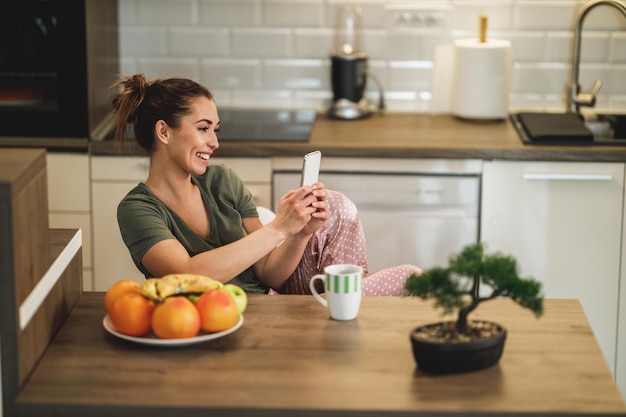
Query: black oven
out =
(57, 59)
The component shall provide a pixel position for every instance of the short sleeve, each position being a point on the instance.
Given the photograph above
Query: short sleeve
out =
(239, 195)
(142, 223)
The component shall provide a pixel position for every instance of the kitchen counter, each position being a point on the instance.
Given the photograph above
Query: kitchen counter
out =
(51, 144)
(289, 359)
(407, 135)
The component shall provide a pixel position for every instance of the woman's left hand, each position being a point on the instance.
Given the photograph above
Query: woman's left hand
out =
(321, 213)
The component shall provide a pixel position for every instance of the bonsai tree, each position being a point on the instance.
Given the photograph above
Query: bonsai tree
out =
(457, 287)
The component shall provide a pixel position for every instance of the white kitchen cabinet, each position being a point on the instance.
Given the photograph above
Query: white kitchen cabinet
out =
(413, 211)
(113, 177)
(563, 223)
(112, 261)
(69, 203)
(620, 357)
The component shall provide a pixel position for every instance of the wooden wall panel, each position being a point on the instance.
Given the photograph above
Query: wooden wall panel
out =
(27, 250)
(23, 247)
(34, 339)
(30, 233)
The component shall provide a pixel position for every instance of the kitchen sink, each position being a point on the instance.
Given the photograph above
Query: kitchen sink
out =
(607, 128)
(569, 129)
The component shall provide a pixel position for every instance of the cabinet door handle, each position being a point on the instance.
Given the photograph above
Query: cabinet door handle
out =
(566, 177)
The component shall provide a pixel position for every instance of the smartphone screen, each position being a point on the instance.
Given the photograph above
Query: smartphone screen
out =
(311, 168)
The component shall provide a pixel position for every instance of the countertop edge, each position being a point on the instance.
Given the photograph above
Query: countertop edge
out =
(243, 149)
(394, 135)
(50, 144)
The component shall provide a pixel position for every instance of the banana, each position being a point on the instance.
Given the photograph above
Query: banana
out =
(149, 289)
(158, 289)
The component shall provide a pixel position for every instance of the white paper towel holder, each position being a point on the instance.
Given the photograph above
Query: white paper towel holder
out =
(474, 85)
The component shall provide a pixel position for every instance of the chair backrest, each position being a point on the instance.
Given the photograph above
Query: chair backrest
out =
(265, 215)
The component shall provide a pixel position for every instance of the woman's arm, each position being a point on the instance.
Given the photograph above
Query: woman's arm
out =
(280, 263)
(226, 262)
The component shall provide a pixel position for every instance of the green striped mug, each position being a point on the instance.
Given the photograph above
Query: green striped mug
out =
(342, 290)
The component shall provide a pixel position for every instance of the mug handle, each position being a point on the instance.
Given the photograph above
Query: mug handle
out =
(317, 295)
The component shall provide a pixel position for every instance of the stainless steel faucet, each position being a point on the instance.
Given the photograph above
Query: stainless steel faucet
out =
(576, 97)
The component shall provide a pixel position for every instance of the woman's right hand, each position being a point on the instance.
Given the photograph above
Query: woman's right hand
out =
(295, 209)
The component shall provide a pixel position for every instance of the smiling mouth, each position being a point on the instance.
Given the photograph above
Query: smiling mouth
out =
(204, 156)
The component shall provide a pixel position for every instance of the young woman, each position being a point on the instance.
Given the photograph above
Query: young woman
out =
(195, 217)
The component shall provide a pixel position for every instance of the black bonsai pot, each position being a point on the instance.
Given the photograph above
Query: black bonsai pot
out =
(437, 356)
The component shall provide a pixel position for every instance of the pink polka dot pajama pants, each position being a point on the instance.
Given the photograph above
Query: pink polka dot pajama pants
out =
(341, 241)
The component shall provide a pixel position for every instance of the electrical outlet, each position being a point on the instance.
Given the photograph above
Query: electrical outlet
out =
(417, 17)
(420, 19)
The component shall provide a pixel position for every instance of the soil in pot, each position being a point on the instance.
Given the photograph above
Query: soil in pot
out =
(439, 349)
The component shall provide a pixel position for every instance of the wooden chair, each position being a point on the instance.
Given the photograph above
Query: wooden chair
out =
(265, 215)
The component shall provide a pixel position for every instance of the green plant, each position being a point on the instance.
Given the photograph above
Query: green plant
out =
(457, 287)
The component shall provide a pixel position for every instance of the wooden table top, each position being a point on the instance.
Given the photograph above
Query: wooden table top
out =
(289, 359)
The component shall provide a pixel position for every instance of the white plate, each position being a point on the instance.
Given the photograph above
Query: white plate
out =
(153, 340)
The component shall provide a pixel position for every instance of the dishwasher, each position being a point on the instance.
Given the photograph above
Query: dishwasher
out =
(408, 218)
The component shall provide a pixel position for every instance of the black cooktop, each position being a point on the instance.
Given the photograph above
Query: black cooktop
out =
(259, 125)
(266, 124)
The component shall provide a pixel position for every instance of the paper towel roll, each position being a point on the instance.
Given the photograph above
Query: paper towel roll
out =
(441, 79)
(481, 78)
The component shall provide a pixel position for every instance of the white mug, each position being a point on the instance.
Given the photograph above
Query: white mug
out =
(343, 290)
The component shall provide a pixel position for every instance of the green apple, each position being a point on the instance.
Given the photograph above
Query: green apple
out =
(240, 296)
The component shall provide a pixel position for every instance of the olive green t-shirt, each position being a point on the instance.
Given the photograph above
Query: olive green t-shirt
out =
(144, 220)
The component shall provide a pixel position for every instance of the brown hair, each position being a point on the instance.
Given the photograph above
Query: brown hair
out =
(142, 103)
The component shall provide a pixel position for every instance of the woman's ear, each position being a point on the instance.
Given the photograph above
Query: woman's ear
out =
(162, 132)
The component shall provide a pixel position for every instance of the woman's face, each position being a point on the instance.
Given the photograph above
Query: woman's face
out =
(193, 142)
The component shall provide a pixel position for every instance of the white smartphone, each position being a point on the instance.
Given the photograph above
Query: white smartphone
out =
(311, 168)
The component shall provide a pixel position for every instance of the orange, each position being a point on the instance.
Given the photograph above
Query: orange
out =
(175, 318)
(218, 310)
(131, 313)
(120, 287)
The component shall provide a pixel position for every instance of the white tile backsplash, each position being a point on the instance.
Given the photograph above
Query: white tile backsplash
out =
(613, 80)
(594, 47)
(126, 13)
(228, 74)
(403, 44)
(165, 12)
(527, 101)
(373, 13)
(375, 43)
(142, 41)
(616, 101)
(312, 43)
(528, 46)
(604, 18)
(558, 47)
(539, 78)
(293, 13)
(317, 100)
(294, 75)
(274, 53)
(466, 15)
(544, 14)
(409, 75)
(168, 67)
(198, 42)
(261, 43)
(617, 48)
(262, 98)
(229, 13)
